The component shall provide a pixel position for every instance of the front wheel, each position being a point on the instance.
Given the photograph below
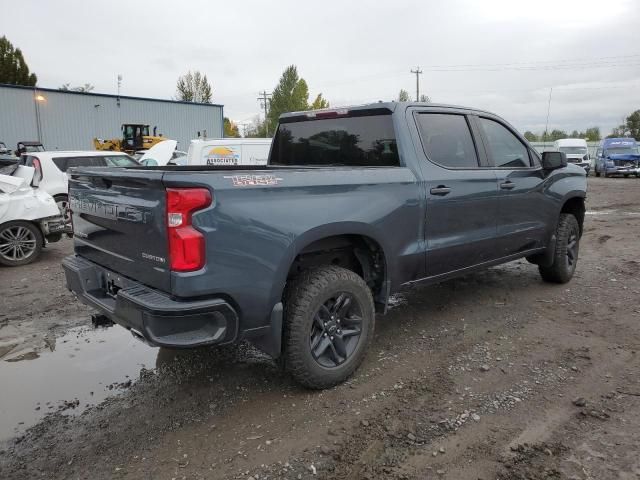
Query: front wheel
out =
(20, 243)
(329, 323)
(565, 257)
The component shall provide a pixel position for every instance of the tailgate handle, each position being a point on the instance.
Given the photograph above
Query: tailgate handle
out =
(101, 182)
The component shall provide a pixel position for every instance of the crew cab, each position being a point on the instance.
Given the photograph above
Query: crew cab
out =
(618, 156)
(298, 255)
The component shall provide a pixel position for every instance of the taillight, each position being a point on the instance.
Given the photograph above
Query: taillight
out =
(37, 176)
(186, 244)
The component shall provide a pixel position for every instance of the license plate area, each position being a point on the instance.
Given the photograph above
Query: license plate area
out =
(112, 283)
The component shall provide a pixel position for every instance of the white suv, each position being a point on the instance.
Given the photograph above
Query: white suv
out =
(51, 168)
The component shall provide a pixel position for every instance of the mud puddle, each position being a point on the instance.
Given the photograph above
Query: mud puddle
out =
(82, 368)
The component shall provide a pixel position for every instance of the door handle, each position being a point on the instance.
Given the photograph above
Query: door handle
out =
(509, 185)
(441, 190)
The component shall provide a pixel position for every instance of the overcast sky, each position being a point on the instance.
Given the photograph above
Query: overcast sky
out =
(502, 55)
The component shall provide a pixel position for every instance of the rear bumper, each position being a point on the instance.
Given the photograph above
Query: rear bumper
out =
(151, 314)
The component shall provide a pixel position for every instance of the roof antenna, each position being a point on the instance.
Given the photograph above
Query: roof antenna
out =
(546, 127)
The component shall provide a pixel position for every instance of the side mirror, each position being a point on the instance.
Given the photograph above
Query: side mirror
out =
(553, 160)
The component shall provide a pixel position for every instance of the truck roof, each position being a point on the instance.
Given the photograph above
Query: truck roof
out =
(390, 106)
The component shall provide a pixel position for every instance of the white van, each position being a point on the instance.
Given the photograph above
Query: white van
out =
(229, 151)
(576, 151)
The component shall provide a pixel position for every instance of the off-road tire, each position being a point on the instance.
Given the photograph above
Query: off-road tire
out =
(35, 233)
(303, 298)
(561, 270)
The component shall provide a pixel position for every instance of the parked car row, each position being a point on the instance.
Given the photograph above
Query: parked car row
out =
(614, 156)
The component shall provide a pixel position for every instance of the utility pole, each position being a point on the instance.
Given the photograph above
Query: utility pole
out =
(264, 103)
(119, 85)
(418, 72)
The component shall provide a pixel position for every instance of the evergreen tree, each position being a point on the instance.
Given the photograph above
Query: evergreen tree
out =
(13, 68)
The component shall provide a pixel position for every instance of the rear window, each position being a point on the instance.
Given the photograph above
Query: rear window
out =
(363, 141)
(65, 163)
(120, 161)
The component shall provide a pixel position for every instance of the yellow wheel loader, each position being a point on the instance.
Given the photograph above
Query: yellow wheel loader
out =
(134, 137)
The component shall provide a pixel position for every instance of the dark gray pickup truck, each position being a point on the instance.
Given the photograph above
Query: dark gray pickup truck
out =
(297, 256)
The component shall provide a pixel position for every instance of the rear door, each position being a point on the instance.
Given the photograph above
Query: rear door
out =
(524, 212)
(461, 194)
(119, 222)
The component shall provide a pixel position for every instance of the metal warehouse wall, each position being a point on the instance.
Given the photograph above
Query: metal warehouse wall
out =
(70, 120)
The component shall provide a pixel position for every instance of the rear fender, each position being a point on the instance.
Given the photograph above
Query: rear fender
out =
(319, 233)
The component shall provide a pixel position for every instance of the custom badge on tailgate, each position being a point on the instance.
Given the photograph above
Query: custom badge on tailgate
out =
(253, 180)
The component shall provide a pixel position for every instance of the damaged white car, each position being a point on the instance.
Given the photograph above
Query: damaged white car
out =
(29, 217)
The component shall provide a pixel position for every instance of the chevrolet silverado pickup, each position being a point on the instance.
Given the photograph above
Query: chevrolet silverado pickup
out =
(298, 255)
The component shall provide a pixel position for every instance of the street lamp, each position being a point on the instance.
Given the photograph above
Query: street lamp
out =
(37, 100)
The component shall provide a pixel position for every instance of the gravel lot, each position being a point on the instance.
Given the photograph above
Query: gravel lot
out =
(492, 376)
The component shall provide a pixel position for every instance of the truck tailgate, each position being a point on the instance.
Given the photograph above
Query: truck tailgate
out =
(119, 222)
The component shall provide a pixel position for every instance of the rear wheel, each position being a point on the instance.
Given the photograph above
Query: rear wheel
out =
(329, 323)
(597, 173)
(20, 243)
(565, 257)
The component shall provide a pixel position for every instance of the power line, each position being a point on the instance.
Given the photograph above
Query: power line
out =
(583, 66)
(418, 72)
(565, 61)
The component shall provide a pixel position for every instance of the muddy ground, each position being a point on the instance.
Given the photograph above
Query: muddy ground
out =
(492, 376)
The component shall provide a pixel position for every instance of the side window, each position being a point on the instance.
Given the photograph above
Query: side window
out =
(446, 140)
(61, 163)
(506, 150)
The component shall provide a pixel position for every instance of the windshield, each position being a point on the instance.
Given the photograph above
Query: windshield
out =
(120, 161)
(573, 150)
(621, 151)
(357, 141)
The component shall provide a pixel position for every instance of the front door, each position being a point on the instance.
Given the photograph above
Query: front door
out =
(462, 194)
(524, 211)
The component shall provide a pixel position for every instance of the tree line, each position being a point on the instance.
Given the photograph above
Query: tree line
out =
(590, 134)
(630, 127)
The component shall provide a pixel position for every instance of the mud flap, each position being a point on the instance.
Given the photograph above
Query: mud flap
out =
(545, 259)
(271, 342)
